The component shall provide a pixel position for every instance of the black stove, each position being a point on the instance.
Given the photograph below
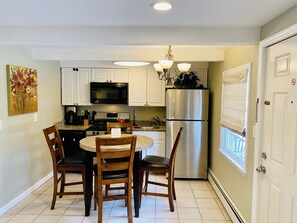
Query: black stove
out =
(100, 120)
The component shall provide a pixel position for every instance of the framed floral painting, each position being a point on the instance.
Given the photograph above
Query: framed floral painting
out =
(22, 90)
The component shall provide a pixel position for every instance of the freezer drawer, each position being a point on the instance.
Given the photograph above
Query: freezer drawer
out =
(192, 151)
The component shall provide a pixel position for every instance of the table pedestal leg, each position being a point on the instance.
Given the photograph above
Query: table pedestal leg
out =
(89, 182)
(136, 186)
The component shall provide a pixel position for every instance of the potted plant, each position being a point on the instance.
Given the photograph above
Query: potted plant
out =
(186, 80)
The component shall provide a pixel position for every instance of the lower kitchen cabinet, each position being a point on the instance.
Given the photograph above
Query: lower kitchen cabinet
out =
(158, 137)
(70, 140)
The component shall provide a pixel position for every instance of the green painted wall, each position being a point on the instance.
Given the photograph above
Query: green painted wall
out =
(237, 186)
(279, 23)
(25, 158)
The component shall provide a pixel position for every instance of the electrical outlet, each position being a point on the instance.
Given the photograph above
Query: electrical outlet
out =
(35, 117)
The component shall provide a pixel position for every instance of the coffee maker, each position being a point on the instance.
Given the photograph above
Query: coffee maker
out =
(71, 115)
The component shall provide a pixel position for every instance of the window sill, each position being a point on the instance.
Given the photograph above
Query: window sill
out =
(242, 171)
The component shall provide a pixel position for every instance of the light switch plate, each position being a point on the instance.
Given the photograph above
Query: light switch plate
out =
(35, 118)
(1, 125)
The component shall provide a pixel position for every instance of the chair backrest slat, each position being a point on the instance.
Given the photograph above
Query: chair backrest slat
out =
(174, 148)
(126, 127)
(115, 155)
(117, 166)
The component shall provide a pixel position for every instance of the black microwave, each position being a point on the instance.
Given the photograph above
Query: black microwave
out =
(109, 93)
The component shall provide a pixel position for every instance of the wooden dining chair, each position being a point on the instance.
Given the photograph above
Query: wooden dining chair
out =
(62, 165)
(115, 166)
(126, 127)
(158, 164)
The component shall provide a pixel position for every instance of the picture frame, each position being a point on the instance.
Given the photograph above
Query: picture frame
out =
(22, 90)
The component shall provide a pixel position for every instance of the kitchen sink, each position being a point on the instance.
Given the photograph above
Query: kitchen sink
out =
(146, 127)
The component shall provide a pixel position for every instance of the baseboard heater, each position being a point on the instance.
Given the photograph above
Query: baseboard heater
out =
(226, 201)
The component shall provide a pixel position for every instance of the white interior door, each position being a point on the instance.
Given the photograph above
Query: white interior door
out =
(278, 186)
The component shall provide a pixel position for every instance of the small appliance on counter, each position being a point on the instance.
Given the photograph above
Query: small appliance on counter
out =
(71, 115)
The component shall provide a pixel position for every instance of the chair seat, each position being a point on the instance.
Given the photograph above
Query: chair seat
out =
(72, 161)
(155, 161)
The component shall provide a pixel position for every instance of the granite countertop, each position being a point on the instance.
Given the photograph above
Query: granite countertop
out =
(141, 126)
(150, 128)
(148, 125)
(62, 126)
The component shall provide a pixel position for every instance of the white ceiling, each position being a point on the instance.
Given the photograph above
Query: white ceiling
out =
(57, 25)
(247, 13)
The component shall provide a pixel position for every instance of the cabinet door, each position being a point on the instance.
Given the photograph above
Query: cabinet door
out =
(70, 140)
(100, 75)
(137, 87)
(158, 147)
(83, 77)
(155, 89)
(119, 75)
(68, 86)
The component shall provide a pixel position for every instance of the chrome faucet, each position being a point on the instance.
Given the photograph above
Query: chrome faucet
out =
(157, 120)
(134, 118)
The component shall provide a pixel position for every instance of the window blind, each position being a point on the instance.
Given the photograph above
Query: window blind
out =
(234, 98)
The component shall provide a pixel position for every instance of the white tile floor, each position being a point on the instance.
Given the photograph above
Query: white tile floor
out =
(196, 203)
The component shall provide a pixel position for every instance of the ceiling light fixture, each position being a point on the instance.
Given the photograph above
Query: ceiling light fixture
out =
(131, 63)
(161, 6)
(163, 67)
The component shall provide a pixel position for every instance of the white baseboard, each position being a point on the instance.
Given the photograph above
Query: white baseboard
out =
(230, 207)
(23, 195)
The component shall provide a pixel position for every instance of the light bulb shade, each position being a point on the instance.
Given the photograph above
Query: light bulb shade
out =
(158, 68)
(183, 67)
(166, 64)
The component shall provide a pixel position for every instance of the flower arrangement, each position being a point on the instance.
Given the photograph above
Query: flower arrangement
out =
(186, 80)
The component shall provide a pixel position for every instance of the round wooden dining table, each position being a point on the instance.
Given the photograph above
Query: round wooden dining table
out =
(88, 144)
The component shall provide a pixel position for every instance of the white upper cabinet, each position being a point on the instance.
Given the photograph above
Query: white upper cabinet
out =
(145, 89)
(155, 89)
(76, 86)
(110, 75)
(137, 87)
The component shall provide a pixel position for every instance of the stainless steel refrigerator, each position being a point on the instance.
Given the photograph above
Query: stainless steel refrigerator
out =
(188, 109)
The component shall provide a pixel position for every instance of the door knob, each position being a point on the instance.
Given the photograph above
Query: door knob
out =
(261, 169)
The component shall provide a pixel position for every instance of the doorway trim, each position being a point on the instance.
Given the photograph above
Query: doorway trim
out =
(263, 45)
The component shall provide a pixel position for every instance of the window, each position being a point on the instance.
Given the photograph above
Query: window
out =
(235, 85)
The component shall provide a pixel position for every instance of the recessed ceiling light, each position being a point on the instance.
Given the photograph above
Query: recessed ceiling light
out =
(161, 6)
(131, 63)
